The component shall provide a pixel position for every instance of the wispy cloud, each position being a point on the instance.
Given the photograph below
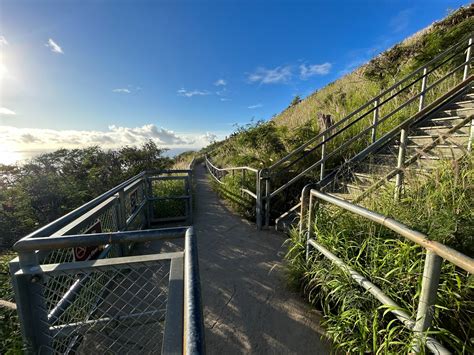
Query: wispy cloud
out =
(122, 91)
(191, 93)
(255, 106)
(3, 41)
(7, 112)
(54, 46)
(220, 82)
(277, 75)
(225, 99)
(400, 21)
(307, 71)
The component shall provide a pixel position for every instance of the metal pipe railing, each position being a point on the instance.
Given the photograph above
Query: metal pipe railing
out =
(194, 342)
(376, 98)
(435, 253)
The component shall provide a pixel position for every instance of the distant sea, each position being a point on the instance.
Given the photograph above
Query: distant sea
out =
(20, 157)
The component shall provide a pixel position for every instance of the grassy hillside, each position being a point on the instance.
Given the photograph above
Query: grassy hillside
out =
(259, 144)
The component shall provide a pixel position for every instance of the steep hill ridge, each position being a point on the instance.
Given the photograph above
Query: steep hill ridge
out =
(342, 96)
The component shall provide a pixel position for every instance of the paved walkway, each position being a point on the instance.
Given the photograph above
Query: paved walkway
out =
(247, 307)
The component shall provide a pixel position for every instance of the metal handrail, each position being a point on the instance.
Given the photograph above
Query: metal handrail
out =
(373, 100)
(194, 334)
(460, 260)
(265, 177)
(431, 275)
(214, 171)
(232, 167)
(62, 221)
(364, 131)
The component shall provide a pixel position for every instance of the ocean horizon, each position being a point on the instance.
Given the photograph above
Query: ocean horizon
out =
(21, 156)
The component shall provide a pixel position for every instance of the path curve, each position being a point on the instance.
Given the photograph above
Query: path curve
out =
(247, 307)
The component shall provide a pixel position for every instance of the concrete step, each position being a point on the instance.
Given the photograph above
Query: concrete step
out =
(446, 121)
(436, 129)
(380, 170)
(421, 140)
(463, 112)
(463, 103)
(443, 151)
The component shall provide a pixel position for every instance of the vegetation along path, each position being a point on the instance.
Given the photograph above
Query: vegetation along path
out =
(247, 307)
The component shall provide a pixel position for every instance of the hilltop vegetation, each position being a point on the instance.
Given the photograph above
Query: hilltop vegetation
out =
(52, 184)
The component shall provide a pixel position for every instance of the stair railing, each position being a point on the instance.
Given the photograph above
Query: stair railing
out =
(370, 122)
(244, 171)
(369, 117)
(435, 253)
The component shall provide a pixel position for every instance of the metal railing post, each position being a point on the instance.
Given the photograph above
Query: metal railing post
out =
(375, 121)
(303, 210)
(466, 72)
(309, 223)
(423, 88)
(242, 185)
(400, 164)
(267, 201)
(189, 211)
(468, 58)
(31, 308)
(122, 221)
(323, 155)
(429, 289)
(258, 202)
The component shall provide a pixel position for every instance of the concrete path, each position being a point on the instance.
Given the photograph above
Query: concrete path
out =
(247, 307)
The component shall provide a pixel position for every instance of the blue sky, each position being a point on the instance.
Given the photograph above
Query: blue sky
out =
(176, 70)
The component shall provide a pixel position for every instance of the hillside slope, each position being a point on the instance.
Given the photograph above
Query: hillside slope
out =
(342, 96)
(262, 143)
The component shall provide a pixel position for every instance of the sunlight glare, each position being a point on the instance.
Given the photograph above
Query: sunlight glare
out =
(8, 155)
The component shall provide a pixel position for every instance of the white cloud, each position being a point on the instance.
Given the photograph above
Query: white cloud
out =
(255, 106)
(307, 71)
(187, 93)
(220, 82)
(209, 137)
(3, 41)
(122, 91)
(54, 46)
(277, 75)
(7, 112)
(225, 99)
(44, 140)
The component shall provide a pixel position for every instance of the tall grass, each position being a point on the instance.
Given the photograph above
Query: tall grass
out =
(440, 207)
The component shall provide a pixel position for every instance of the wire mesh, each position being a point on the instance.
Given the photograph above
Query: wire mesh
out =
(115, 309)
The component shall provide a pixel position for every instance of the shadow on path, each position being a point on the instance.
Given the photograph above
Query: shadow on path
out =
(247, 307)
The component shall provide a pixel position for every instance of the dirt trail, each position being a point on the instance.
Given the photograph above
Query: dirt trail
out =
(247, 307)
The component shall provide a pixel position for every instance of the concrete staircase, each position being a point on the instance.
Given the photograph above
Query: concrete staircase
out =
(364, 178)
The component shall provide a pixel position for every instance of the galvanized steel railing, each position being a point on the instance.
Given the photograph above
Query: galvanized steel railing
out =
(397, 106)
(76, 282)
(243, 172)
(435, 252)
